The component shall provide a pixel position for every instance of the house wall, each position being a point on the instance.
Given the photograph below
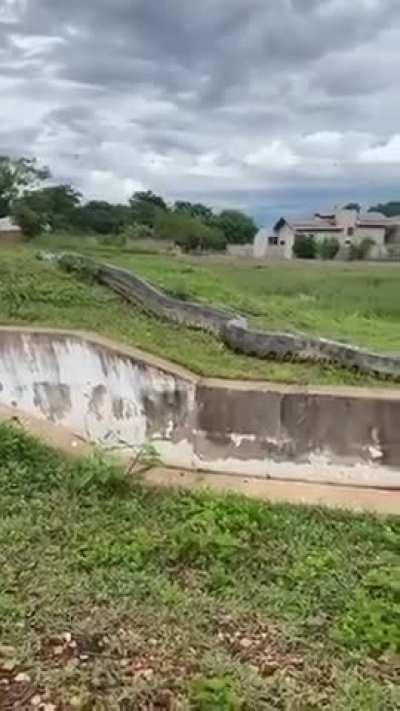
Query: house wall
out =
(240, 250)
(260, 244)
(286, 236)
(377, 234)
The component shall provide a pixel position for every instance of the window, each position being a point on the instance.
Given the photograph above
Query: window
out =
(350, 231)
(282, 242)
(272, 240)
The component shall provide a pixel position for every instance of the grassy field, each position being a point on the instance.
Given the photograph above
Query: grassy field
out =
(114, 596)
(358, 304)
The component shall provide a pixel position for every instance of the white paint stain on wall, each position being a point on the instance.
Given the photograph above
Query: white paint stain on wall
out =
(97, 394)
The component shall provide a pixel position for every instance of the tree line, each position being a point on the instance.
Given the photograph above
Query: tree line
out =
(37, 206)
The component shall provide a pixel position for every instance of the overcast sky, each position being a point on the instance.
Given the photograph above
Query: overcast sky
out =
(274, 106)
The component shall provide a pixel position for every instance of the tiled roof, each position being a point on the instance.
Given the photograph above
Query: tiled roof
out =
(314, 226)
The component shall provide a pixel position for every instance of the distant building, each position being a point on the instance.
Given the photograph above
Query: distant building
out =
(9, 231)
(347, 226)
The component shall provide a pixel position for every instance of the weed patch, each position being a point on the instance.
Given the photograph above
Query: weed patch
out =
(115, 594)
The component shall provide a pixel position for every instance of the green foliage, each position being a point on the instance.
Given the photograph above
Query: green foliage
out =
(147, 196)
(114, 240)
(237, 227)
(145, 206)
(101, 217)
(227, 603)
(327, 248)
(390, 209)
(210, 694)
(138, 231)
(202, 212)
(25, 464)
(189, 232)
(305, 247)
(373, 617)
(30, 222)
(82, 266)
(360, 250)
(353, 206)
(56, 205)
(179, 290)
(355, 303)
(96, 474)
(15, 177)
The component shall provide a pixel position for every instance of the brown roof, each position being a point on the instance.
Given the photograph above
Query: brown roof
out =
(315, 227)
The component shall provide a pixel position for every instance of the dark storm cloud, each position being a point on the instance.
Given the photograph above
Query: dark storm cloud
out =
(226, 98)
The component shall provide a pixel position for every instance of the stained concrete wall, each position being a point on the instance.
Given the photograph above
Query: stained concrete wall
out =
(122, 398)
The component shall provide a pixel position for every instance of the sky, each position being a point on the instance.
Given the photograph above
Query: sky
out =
(277, 107)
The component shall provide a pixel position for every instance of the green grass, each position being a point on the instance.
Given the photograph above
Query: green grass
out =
(357, 304)
(118, 596)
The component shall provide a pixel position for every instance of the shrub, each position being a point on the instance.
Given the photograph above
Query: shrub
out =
(113, 240)
(360, 250)
(304, 247)
(133, 232)
(30, 222)
(328, 248)
(189, 233)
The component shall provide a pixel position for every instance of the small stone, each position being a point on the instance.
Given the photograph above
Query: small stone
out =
(147, 674)
(58, 651)
(67, 636)
(245, 643)
(8, 665)
(23, 678)
(4, 682)
(36, 700)
(83, 657)
(72, 645)
(49, 707)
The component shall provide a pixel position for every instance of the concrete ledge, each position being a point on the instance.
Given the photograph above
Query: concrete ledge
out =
(383, 502)
(121, 398)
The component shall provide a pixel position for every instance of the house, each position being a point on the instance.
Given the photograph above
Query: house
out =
(345, 225)
(9, 231)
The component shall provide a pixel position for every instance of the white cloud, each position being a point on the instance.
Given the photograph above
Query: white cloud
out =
(389, 152)
(211, 100)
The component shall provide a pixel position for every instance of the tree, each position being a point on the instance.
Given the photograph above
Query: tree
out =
(101, 217)
(204, 213)
(353, 206)
(56, 205)
(189, 232)
(15, 177)
(145, 206)
(143, 213)
(149, 197)
(390, 209)
(237, 227)
(28, 220)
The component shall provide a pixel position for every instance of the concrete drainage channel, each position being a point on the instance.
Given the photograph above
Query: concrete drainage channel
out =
(122, 399)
